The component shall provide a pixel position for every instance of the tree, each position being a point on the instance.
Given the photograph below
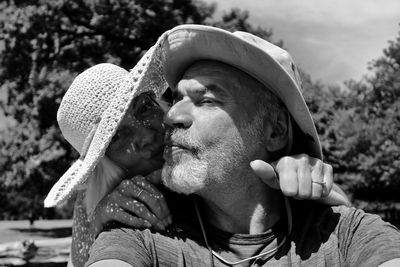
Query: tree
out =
(46, 44)
(379, 110)
(359, 128)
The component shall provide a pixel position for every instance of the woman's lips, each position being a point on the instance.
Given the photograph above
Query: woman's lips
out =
(152, 151)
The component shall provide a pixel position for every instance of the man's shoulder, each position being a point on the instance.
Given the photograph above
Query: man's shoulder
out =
(143, 247)
(354, 236)
(311, 213)
(314, 223)
(180, 234)
(175, 231)
(307, 209)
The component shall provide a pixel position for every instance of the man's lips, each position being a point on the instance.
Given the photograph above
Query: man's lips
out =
(174, 144)
(173, 148)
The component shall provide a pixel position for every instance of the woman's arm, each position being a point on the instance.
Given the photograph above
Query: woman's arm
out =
(301, 177)
(135, 202)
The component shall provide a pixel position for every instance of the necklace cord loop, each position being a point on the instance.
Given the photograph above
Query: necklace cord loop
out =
(274, 250)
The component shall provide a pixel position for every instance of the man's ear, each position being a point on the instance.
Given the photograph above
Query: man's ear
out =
(277, 136)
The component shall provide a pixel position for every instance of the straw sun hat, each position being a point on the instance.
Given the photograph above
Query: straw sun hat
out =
(92, 109)
(266, 62)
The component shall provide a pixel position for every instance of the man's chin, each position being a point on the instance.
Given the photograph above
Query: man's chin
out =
(178, 189)
(179, 181)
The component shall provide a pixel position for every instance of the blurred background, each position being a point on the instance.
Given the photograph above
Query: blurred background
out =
(349, 54)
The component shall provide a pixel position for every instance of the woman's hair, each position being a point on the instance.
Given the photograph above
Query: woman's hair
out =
(105, 177)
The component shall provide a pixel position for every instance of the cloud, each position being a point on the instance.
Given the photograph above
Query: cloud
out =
(331, 40)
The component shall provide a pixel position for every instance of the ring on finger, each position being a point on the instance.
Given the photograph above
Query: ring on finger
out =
(323, 184)
(141, 191)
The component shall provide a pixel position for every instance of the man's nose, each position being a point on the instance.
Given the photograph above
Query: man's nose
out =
(179, 115)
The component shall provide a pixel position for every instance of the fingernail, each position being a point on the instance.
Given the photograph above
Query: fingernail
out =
(147, 224)
(169, 219)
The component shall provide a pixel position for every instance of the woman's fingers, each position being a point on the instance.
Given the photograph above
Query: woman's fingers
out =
(132, 221)
(266, 172)
(138, 188)
(328, 179)
(118, 214)
(137, 210)
(317, 179)
(117, 207)
(286, 168)
(156, 201)
(304, 177)
(300, 176)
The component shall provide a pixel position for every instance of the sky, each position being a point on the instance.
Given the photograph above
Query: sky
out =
(332, 40)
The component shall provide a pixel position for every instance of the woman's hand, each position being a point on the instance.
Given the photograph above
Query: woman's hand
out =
(134, 202)
(301, 177)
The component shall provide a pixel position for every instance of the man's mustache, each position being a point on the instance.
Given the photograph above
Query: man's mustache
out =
(181, 138)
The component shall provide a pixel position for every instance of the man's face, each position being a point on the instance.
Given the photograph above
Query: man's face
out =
(212, 136)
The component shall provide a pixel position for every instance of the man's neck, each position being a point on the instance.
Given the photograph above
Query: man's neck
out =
(250, 209)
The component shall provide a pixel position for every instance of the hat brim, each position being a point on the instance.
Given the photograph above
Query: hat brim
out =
(145, 76)
(187, 44)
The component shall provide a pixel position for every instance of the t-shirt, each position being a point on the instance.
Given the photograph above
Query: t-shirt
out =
(321, 236)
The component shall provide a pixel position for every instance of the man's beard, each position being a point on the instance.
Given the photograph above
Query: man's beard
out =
(184, 172)
(190, 171)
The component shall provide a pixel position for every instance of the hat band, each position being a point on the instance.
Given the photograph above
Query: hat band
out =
(88, 139)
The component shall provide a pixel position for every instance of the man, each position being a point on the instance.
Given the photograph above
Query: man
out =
(237, 99)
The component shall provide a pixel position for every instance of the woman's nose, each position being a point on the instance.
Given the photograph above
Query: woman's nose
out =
(158, 122)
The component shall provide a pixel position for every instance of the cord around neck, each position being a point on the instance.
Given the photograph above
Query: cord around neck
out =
(269, 252)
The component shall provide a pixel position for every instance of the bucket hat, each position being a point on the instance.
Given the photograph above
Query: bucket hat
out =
(264, 61)
(92, 109)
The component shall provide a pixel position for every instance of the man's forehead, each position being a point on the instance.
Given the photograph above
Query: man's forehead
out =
(208, 76)
(208, 68)
(214, 74)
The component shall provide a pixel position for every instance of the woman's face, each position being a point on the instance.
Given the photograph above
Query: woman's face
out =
(137, 147)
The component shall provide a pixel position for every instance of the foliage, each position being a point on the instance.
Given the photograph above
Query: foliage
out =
(46, 44)
(359, 128)
(379, 111)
